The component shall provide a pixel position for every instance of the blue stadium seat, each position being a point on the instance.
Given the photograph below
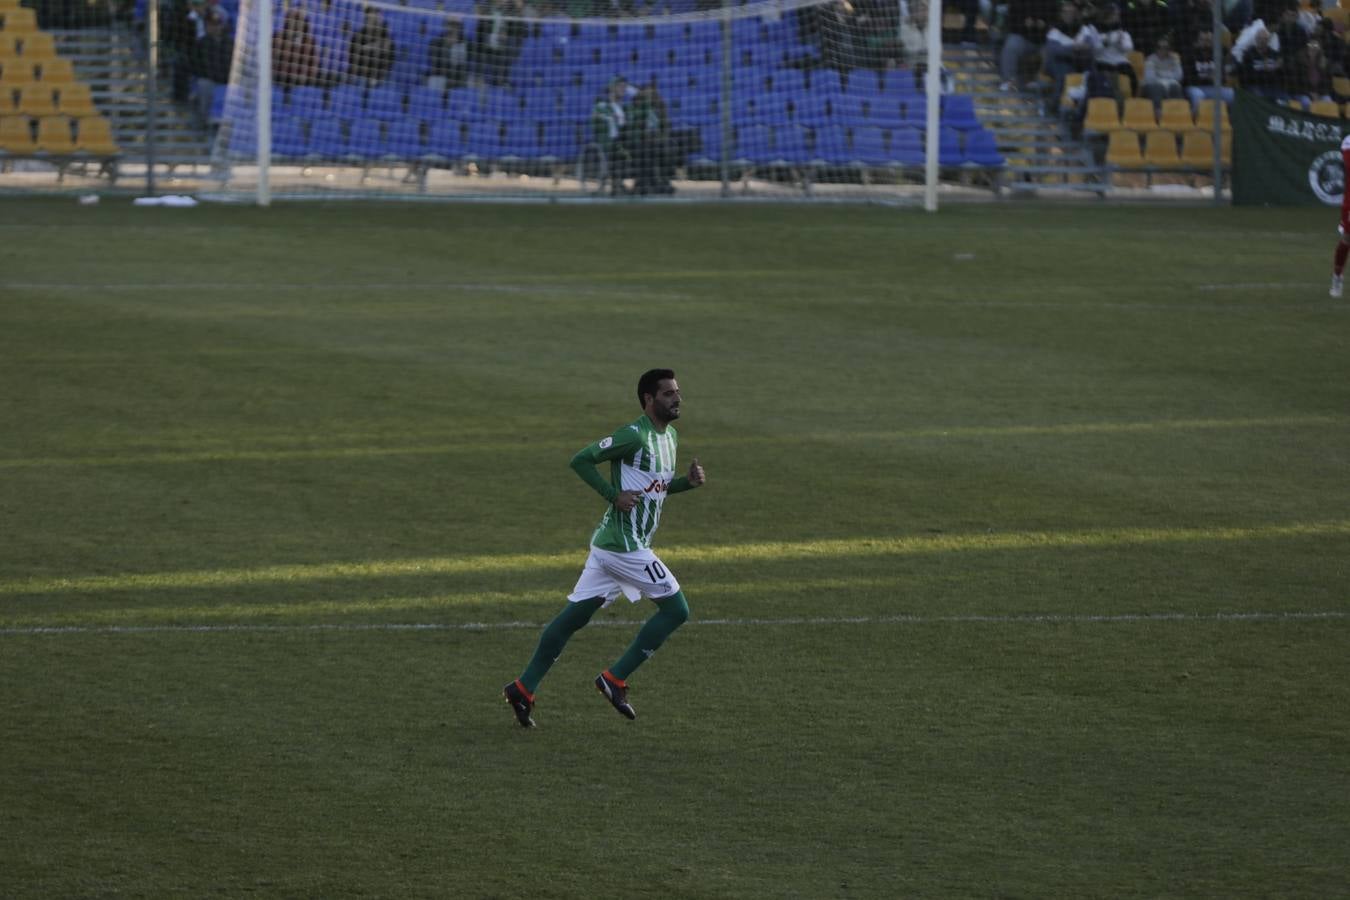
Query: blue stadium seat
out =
(466, 105)
(916, 112)
(426, 103)
(831, 145)
(982, 148)
(444, 139)
(385, 101)
(365, 139)
(347, 100)
(520, 140)
(907, 147)
(405, 139)
(848, 110)
(813, 109)
(306, 101)
(288, 137)
(949, 147)
(484, 140)
(790, 146)
(899, 81)
(326, 139)
(825, 81)
(958, 111)
(243, 140)
(789, 82)
(869, 147)
(560, 142)
(752, 145)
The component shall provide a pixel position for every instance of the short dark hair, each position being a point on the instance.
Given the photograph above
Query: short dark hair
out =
(650, 381)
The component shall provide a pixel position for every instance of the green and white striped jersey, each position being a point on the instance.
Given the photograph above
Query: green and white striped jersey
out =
(641, 459)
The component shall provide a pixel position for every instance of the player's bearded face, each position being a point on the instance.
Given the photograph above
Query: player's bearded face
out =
(666, 402)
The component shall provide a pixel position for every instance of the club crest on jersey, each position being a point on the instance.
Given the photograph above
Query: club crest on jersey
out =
(606, 443)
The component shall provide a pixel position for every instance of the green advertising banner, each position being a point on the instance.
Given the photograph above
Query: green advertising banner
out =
(1283, 156)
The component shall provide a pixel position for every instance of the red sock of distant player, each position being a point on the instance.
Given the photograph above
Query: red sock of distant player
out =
(1342, 250)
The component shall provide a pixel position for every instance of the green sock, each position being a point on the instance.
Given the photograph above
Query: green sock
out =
(671, 613)
(556, 635)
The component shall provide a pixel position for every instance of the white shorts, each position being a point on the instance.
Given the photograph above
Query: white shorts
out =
(634, 575)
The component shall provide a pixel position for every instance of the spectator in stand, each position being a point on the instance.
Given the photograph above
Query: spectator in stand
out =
(608, 118)
(295, 57)
(1069, 47)
(1235, 14)
(1146, 21)
(184, 26)
(1027, 24)
(448, 57)
(1113, 54)
(499, 37)
(1334, 49)
(1293, 36)
(1198, 71)
(1163, 73)
(1262, 69)
(215, 52)
(370, 54)
(1247, 37)
(647, 136)
(1308, 75)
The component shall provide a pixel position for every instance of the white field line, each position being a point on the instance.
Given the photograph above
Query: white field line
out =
(809, 622)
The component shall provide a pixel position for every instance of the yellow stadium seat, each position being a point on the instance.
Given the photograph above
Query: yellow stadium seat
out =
(1160, 150)
(1123, 85)
(9, 100)
(36, 46)
(1204, 117)
(9, 4)
(16, 71)
(1103, 115)
(1197, 150)
(1122, 150)
(94, 135)
(9, 45)
(16, 135)
(1176, 115)
(1139, 115)
(18, 20)
(55, 70)
(1327, 108)
(1226, 148)
(37, 100)
(54, 135)
(1137, 63)
(74, 99)
(1337, 15)
(1341, 86)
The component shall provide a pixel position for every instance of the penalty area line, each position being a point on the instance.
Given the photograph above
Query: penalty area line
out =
(789, 622)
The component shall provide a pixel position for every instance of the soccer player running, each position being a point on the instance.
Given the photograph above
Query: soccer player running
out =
(642, 473)
(1343, 245)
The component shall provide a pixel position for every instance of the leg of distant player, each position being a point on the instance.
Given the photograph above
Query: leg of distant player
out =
(671, 613)
(555, 637)
(1338, 267)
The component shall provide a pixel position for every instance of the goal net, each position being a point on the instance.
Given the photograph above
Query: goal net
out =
(591, 99)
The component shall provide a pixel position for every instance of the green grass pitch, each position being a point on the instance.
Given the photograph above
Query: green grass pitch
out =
(1023, 568)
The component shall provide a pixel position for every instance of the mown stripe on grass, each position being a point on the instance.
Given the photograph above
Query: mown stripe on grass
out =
(977, 619)
(778, 551)
(242, 455)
